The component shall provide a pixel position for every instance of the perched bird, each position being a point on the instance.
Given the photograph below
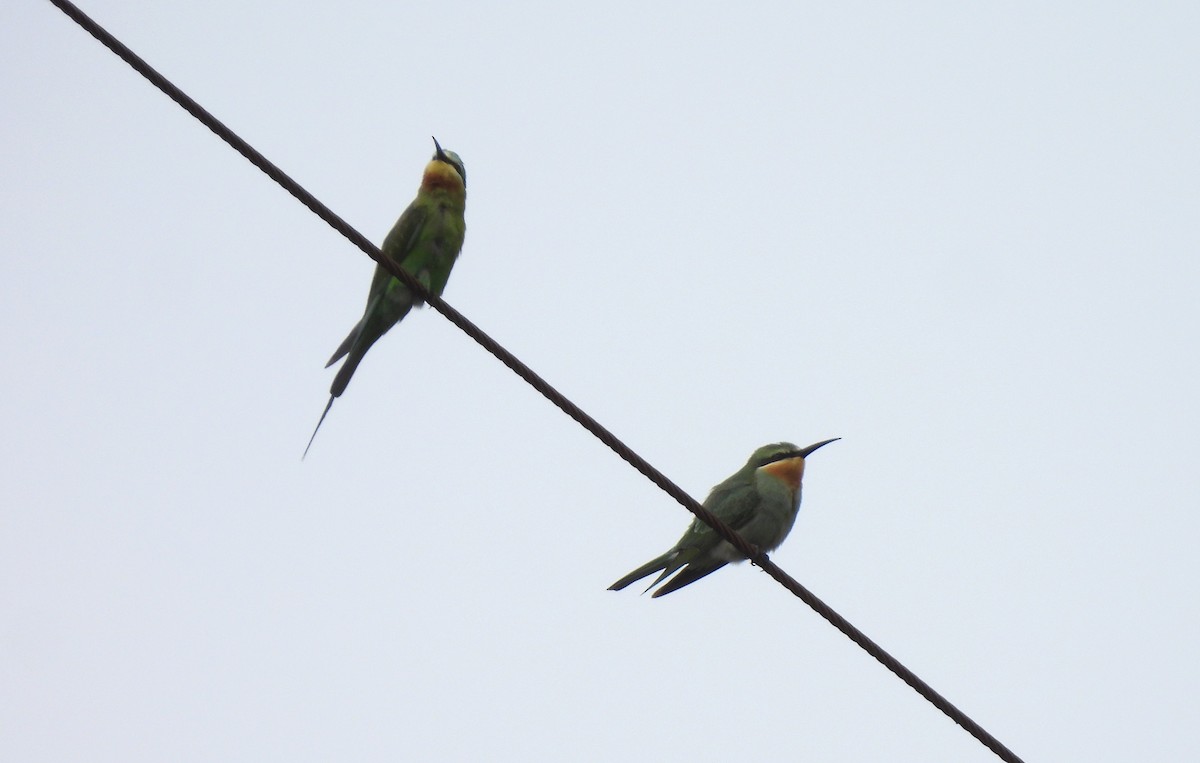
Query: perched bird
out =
(425, 241)
(759, 502)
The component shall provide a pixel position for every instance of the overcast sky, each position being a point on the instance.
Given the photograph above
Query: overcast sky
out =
(962, 237)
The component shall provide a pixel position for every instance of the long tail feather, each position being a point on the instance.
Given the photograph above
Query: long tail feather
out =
(649, 568)
(344, 373)
(689, 574)
(322, 420)
(669, 570)
(345, 346)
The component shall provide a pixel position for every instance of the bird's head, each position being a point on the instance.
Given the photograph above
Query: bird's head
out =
(445, 170)
(784, 461)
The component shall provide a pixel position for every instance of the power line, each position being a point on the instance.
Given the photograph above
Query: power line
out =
(541, 385)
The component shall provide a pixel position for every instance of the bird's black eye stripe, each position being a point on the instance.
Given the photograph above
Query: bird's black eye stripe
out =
(779, 457)
(462, 171)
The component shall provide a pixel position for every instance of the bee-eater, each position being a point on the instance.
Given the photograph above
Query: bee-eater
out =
(425, 241)
(759, 502)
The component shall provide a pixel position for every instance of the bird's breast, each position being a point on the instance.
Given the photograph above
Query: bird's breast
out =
(440, 176)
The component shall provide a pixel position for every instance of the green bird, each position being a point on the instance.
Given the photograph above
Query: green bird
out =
(759, 502)
(425, 241)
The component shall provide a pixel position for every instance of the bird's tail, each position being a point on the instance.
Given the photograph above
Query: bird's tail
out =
(345, 372)
(314, 434)
(649, 568)
(690, 574)
(346, 344)
(670, 563)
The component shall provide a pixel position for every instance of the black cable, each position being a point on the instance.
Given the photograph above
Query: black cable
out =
(537, 382)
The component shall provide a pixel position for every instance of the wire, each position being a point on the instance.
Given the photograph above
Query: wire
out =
(541, 385)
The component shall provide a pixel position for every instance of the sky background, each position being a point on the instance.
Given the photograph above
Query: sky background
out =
(962, 237)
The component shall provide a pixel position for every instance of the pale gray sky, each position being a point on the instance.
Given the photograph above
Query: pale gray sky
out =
(962, 237)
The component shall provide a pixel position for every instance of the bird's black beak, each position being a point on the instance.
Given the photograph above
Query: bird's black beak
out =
(803, 452)
(441, 155)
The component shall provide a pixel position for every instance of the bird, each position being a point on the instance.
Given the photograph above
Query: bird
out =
(759, 502)
(425, 241)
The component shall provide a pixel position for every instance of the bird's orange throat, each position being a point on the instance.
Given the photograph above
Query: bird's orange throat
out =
(441, 176)
(789, 470)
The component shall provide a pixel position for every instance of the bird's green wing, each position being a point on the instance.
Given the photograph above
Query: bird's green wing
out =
(430, 246)
(399, 244)
(735, 505)
(400, 240)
